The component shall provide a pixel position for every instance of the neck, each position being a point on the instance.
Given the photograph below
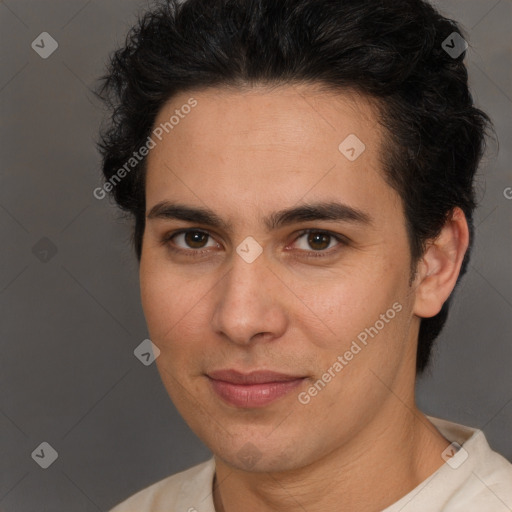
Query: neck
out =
(388, 459)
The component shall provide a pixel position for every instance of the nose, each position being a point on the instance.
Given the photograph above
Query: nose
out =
(250, 302)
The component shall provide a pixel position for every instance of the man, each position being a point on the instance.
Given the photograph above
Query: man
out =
(300, 174)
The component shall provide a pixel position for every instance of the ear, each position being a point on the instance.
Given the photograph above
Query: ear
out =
(439, 267)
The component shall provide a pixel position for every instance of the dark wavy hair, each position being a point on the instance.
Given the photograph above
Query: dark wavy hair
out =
(389, 50)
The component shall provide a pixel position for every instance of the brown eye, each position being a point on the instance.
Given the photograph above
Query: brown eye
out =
(195, 239)
(318, 241)
(189, 240)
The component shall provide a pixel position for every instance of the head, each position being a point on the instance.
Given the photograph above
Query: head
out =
(248, 108)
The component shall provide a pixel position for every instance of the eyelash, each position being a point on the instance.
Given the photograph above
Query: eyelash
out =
(199, 253)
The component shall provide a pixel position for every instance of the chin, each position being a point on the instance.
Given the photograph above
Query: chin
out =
(260, 457)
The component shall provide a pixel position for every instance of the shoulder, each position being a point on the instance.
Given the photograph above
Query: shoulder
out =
(481, 477)
(489, 485)
(474, 478)
(168, 492)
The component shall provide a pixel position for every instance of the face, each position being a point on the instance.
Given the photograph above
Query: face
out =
(281, 334)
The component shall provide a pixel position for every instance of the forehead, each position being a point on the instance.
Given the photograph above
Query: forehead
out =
(270, 115)
(266, 145)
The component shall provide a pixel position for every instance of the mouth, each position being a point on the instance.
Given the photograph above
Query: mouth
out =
(252, 390)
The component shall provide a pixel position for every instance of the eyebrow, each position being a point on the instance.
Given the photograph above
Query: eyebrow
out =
(330, 211)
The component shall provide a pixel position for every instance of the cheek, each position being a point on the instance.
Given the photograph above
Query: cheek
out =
(334, 311)
(174, 308)
(156, 300)
(164, 298)
(368, 325)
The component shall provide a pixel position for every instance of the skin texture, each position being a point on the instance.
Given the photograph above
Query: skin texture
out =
(360, 443)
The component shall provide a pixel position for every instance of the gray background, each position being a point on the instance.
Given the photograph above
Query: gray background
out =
(69, 325)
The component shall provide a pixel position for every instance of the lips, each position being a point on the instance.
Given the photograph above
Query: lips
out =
(255, 377)
(252, 390)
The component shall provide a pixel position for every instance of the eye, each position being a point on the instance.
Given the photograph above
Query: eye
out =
(319, 241)
(192, 238)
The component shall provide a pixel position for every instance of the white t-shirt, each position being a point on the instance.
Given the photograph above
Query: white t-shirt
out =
(473, 479)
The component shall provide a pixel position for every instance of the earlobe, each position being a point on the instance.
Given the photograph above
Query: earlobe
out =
(439, 267)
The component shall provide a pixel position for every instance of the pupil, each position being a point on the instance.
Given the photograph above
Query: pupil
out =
(317, 238)
(193, 237)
